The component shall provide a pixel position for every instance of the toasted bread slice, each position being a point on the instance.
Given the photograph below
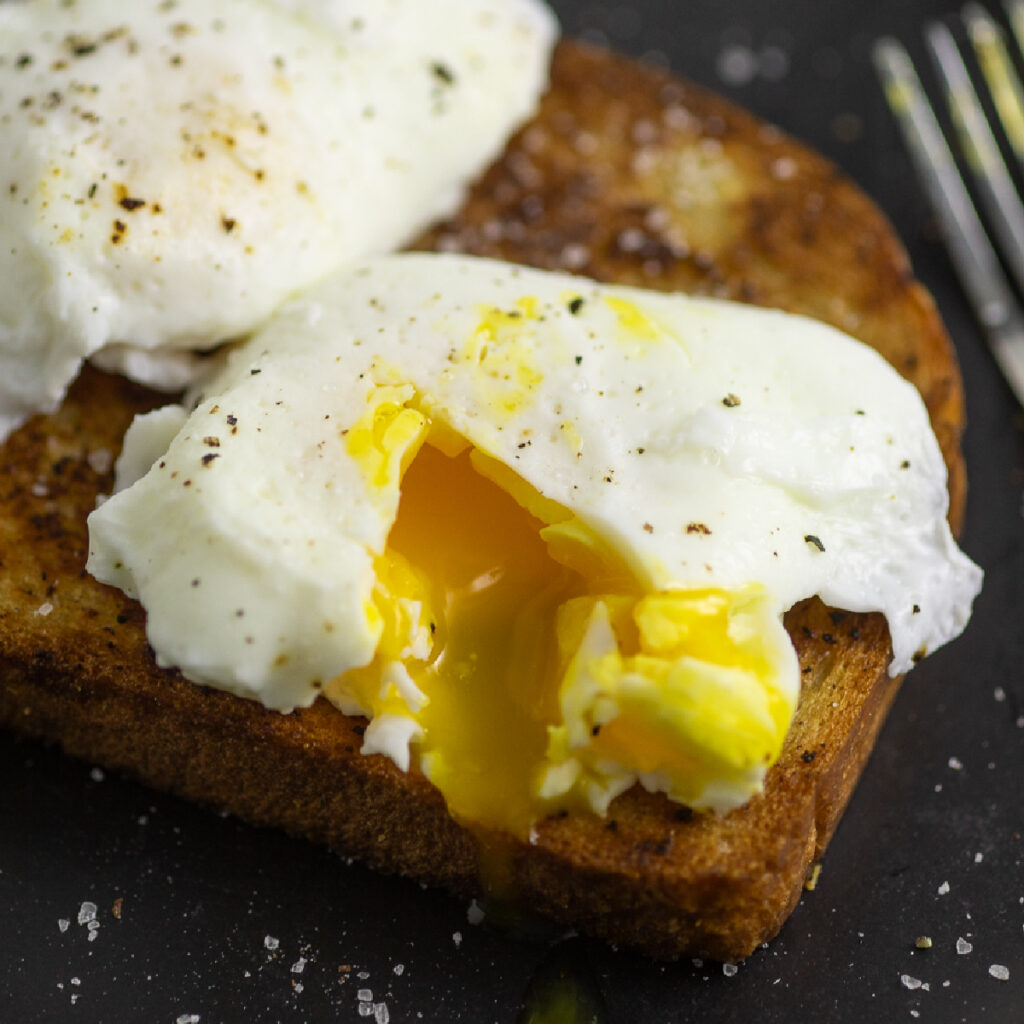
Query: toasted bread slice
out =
(626, 174)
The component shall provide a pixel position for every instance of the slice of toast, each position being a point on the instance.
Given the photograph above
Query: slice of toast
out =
(626, 174)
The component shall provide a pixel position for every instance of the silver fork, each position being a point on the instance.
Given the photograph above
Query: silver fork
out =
(990, 293)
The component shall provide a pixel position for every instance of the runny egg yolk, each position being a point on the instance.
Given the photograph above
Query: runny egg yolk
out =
(527, 664)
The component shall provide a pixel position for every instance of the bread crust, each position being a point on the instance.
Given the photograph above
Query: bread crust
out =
(626, 174)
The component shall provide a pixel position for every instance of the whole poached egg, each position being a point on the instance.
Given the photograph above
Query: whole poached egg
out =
(172, 170)
(541, 531)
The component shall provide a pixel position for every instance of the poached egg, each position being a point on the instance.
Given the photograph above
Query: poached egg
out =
(541, 531)
(172, 170)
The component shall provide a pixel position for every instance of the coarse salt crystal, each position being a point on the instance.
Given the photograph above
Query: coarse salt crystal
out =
(457, 939)
(475, 913)
(999, 693)
(298, 987)
(963, 947)
(979, 857)
(270, 942)
(188, 1018)
(76, 981)
(908, 981)
(365, 1009)
(300, 965)
(955, 763)
(999, 972)
(100, 460)
(365, 995)
(380, 1013)
(729, 970)
(63, 924)
(87, 913)
(96, 774)
(943, 889)
(399, 969)
(44, 609)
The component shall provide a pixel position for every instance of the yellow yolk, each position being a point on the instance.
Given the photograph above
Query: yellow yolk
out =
(517, 704)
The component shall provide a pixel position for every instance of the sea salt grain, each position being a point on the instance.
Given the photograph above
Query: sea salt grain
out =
(63, 924)
(910, 982)
(96, 774)
(457, 939)
(87, 913)
(270, 942)
(365, 995)
(943, 889)
(955, 763)
(380, 1013)
(300, 965)
(729, 970)
(999, 693)
(399, 969)
(999, 972)
(963, 947)
(188, 1018)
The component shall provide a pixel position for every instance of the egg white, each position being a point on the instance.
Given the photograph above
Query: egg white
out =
(172, 171)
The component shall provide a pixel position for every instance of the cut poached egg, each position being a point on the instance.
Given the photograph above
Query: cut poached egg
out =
(541, 530)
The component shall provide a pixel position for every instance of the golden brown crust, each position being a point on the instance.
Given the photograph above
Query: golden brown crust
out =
(629, 175)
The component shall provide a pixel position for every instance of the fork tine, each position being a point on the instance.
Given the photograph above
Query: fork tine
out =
(1003, 81)
(1015, 16)
(969, 248)
(995, 186)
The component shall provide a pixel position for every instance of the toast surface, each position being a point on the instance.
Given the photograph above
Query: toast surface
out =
(626, 174)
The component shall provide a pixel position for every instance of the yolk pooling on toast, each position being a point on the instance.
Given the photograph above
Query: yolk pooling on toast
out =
(527, 664)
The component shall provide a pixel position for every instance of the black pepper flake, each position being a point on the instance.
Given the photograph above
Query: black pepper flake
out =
(576, 305)
(232, 420)
(83, 49)
(905, 464)
(828, 638)
(128, 203)
(683, 814)
(195, 582)
(228, 224)
(92, 190)
(730, 401)
(209, 457)
(579, 359)
(808, 756)
(23, 60)
(700, 528)
(595, 730)
(855, 633)
(814, 541)
(442, 73)
(359, 729)
(252, 373)
(612, 825)
(916, 609)
(648, 528)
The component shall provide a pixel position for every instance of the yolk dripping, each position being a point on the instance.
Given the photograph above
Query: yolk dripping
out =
(494, 591)
(530, 668)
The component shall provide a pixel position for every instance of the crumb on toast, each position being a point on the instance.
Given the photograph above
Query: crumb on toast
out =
(626, 174)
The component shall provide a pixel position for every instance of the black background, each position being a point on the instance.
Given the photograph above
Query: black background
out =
(942, 800)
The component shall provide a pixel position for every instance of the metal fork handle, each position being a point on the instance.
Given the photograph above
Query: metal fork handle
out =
(974, 259)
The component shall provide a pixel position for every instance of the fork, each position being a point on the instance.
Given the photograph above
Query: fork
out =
(973, 256)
